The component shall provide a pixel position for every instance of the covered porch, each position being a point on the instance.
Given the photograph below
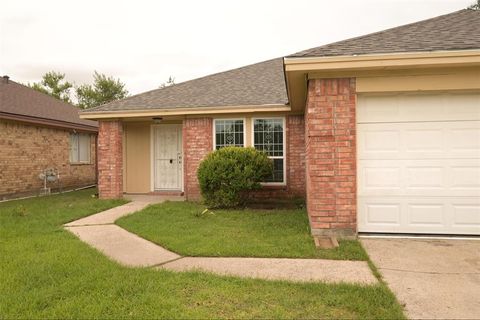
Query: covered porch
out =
(147, 156)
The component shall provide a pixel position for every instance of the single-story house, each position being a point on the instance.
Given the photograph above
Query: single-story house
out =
(41, 135)
(380, 133)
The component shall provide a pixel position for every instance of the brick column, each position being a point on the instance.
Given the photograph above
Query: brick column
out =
(110, 159)
(296, 155)
(331, 157)
(197, 143)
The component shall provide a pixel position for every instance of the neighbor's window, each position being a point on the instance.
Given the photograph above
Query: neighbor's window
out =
(268, 137)
(229, 133)
(79, 148)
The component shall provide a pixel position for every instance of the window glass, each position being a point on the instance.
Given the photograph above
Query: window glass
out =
(73, 147)
(84, 148)
(268, 137)
(79, 148)
(229, 133)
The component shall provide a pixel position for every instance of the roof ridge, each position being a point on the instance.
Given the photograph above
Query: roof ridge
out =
(298, 54)
(178, 84)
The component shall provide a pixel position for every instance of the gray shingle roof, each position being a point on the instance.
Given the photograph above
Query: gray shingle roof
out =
(257, 84)
(264, 83)
(459, 30)
(17, 99)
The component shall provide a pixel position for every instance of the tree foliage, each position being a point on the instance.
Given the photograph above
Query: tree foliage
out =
(475, 6)
(54, 84)
(104, 89)
(170, 82)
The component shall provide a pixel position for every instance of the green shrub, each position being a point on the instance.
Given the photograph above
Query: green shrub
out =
(226, 175)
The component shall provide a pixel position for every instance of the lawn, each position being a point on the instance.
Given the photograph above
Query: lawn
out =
(233, 233)
(46, 272)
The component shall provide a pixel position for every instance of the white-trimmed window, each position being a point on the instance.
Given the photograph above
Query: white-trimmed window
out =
(269, 136)
(229, 132)
(79, 148)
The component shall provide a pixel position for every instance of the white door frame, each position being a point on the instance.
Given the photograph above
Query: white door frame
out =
(152, 156)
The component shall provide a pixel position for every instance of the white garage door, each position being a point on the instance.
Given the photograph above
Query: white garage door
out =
(419, 163)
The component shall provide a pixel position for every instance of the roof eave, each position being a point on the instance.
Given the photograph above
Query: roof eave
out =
(48, 122)
(99, 115)
(384, 61)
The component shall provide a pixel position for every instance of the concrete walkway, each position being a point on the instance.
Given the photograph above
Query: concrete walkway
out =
(435, 279)
(128, 249)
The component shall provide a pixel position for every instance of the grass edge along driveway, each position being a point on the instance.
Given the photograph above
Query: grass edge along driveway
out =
(179, 227)
(46, 272)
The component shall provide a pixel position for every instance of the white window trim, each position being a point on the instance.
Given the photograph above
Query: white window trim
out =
(78, 134)
(284, 183)
(214, 146)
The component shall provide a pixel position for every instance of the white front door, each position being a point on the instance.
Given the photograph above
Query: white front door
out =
(167, 157)
(419, 163)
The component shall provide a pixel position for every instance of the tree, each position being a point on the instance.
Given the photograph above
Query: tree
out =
(103, 90)
(475, 6)
(170, 82)
(54, 84)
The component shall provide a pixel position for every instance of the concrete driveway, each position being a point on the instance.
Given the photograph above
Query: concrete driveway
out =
(433, 278)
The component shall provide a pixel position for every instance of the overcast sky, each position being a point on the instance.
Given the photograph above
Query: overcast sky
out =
(144, 42)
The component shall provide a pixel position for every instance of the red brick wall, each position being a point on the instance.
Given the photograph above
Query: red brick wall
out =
(110, 159)
(26, 150)
(296, 155)
(331, 156)
(197, 143)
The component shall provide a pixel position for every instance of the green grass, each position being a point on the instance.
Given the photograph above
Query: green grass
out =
(46, 272)
(233, 233)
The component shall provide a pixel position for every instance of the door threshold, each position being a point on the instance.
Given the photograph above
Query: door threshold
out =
(418, 236)
(167, 193)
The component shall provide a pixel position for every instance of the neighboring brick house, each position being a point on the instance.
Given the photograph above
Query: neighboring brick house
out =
(380, 133)
(38, 132)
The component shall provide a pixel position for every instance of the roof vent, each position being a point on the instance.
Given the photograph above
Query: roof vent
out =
(5, 78)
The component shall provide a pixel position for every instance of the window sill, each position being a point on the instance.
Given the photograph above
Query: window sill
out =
(274, 186)
(80, 163)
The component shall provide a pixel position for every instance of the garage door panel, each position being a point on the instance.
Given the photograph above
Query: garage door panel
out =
(424, 140)
(465, 141)
(441, 140)
(418, 167)
(382, 214)
(415, 107)
(436, 177)
(466, 216)
(426, 214)
(430, 215)
(466, 178)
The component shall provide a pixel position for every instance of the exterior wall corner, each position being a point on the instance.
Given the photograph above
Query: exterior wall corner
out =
(110, 159)
(330, 134)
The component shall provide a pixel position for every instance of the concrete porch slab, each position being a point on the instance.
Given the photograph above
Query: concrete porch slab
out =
(152, 198)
